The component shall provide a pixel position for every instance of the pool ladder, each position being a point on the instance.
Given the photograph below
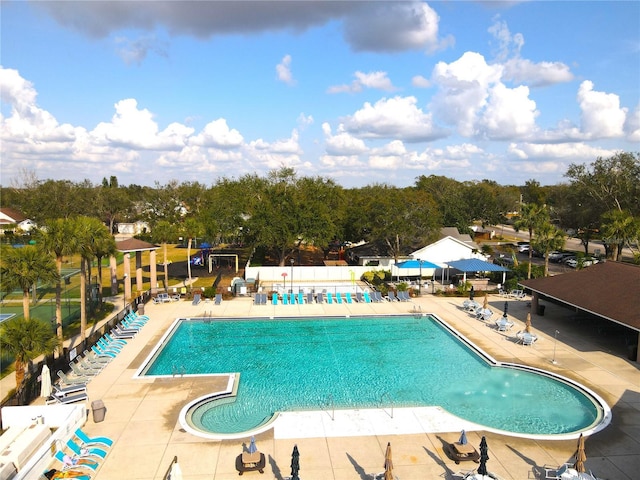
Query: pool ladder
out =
(386, 395)
(330, 407)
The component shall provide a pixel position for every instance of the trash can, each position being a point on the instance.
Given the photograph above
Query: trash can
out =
(141, 309)
(541, 310)
(98, 409)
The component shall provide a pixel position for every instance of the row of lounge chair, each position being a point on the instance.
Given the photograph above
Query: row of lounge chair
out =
(72, 387)
(81, 457)
(330, 298)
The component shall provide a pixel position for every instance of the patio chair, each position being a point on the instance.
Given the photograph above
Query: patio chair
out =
(63, 391)
(348, 297)
(359, 297)
(197, 298)
(320, 297)
(100, 352)
(218, 299)
(87, 440)
(257, 299)
(528, 339)
(338, 297)
(309, 297)
(366, 297)
(377, 296)
(81, 372)
(67, 399)
(391, 297)
(274, 298)
(68, 462)
(329, 298)
(86, 451)
(300, 298)
(92, 357)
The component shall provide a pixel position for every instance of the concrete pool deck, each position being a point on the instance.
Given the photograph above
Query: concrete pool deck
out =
(142, 414)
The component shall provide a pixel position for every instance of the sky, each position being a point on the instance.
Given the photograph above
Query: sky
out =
(361, 92)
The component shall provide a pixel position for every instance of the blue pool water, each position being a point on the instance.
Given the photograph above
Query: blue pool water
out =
(298, 364)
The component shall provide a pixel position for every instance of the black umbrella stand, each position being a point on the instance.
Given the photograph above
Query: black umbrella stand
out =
(295, 463)
(484, 456)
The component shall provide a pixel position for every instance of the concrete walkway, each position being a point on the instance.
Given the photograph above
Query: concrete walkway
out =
(142, 414)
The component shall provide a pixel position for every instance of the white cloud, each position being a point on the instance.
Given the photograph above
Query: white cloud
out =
(397, 118)
(377, 80)
(509, 113)
(342, 143)
(283, 71)
(304, 121)
(217, 134)
(287, 146)
(520, 70)
(420, 82)
(463, 90)
(602, 116)
(632, 127)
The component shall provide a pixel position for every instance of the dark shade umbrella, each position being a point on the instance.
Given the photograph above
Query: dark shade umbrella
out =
(484, 456)
(463, 438)
(388, 464)
(471, 293)
(295, 463)
(506, 309)
(580, 455)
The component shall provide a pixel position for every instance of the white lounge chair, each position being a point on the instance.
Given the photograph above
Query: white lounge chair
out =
(556, 473)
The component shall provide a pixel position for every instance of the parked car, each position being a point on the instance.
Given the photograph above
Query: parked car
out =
(558, 257)
(523, 247)
(586, 262)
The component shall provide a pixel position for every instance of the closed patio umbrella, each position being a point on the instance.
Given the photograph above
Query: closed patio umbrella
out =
(484, 456)
(295, 463)
(485, 304)
(388, 464)
(580, 455)
(463, 438)
(176, 471)
(506, 309)
(45, 382)
(527, 325)
(252, 445)
(471, 293)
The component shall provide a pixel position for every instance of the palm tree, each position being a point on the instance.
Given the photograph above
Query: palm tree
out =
(26, 339)
(22, 268)
(548, 238)
(163, 232)
(57, 238)
(531, 215)
(105, 246)
(618, 229)
(88, 230)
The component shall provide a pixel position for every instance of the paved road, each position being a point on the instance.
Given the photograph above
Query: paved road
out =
(595, 247)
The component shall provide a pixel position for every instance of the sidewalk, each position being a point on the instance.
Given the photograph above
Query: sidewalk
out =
(142, 414)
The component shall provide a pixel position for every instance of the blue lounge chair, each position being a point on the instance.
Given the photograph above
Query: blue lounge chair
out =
(69, 462)
(348, 297)
(300, 298)
(86, 451)
(285, 299)
(329, 298)
(366, 297)
(338, 297)
(87, 440)
(274, 298)
(103, 353)
(391, 296)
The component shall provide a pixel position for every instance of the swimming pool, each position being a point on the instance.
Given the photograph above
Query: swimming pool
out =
(306, 363)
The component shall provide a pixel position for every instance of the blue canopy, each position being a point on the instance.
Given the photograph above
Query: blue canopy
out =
(476, 265)
(416, 264)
